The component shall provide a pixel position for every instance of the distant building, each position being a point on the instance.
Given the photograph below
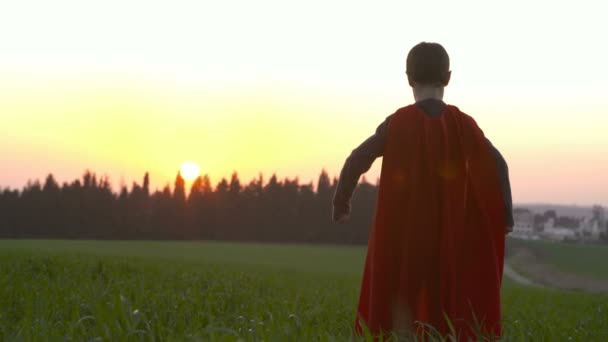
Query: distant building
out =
(599, 214)
(551, 232)
(591, 228)
(523, 223)
(550, 226)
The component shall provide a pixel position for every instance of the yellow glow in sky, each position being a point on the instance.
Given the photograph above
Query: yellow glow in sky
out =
(189, 170)
(125, 87)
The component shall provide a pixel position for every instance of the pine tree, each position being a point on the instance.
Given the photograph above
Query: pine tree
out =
(235, 184)
(146, 185)
(50, 184)
(196, 190)
(179, 192)
(323, 185)
(206, 185)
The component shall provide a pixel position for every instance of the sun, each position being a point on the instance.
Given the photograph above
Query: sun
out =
(189, 170)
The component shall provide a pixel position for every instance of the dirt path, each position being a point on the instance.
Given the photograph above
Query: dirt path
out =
(518, 278)
(525, 268)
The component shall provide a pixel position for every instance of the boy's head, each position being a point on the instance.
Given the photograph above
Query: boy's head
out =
(428, 64)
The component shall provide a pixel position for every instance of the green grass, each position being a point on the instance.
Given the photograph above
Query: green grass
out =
(276, 257)
(583, 259)
(86, 290)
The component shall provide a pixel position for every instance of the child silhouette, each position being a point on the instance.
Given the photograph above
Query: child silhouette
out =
(436, 249)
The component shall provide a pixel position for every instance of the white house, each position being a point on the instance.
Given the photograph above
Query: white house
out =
(590, 229)
(523, 220)
(599, 214)
(551, 232)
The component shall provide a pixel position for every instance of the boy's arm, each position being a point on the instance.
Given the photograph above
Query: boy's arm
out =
(505, 185)
(359, 162)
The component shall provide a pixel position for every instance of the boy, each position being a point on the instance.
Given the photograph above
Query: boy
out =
(436, 249)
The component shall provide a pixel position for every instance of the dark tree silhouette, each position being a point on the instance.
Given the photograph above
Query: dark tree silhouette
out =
(277, 210)
(179, 192)
(146, 186)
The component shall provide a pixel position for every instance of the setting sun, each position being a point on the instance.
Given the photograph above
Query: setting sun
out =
(189, 170)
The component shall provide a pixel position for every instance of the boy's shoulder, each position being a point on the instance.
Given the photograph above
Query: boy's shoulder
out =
(431, 109)
(405, 109)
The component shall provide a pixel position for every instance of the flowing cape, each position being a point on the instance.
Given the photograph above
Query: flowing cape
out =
(436, 249)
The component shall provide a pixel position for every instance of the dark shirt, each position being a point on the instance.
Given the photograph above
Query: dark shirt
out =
(362, 158)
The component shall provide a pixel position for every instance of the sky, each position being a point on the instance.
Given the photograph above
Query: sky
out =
(286, 87)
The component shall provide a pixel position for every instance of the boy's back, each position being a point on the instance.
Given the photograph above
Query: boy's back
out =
(437, 245)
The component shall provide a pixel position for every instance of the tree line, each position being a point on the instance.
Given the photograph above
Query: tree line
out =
(270, 211)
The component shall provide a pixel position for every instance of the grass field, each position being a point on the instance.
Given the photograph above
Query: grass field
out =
(84, 290)
(583, 259)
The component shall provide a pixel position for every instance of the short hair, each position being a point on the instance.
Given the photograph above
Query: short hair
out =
(428, 64)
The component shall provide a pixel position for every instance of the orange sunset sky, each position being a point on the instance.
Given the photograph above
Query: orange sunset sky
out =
(125, 87)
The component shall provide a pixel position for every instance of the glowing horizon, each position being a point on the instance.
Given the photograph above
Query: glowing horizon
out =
(127, 87)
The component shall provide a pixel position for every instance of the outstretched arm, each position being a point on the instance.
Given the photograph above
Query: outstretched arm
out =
(359, 162)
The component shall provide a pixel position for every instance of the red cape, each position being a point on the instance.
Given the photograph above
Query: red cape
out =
(436, 249)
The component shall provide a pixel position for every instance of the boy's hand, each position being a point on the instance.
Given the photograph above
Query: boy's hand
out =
(344, 218)
(341, 214)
